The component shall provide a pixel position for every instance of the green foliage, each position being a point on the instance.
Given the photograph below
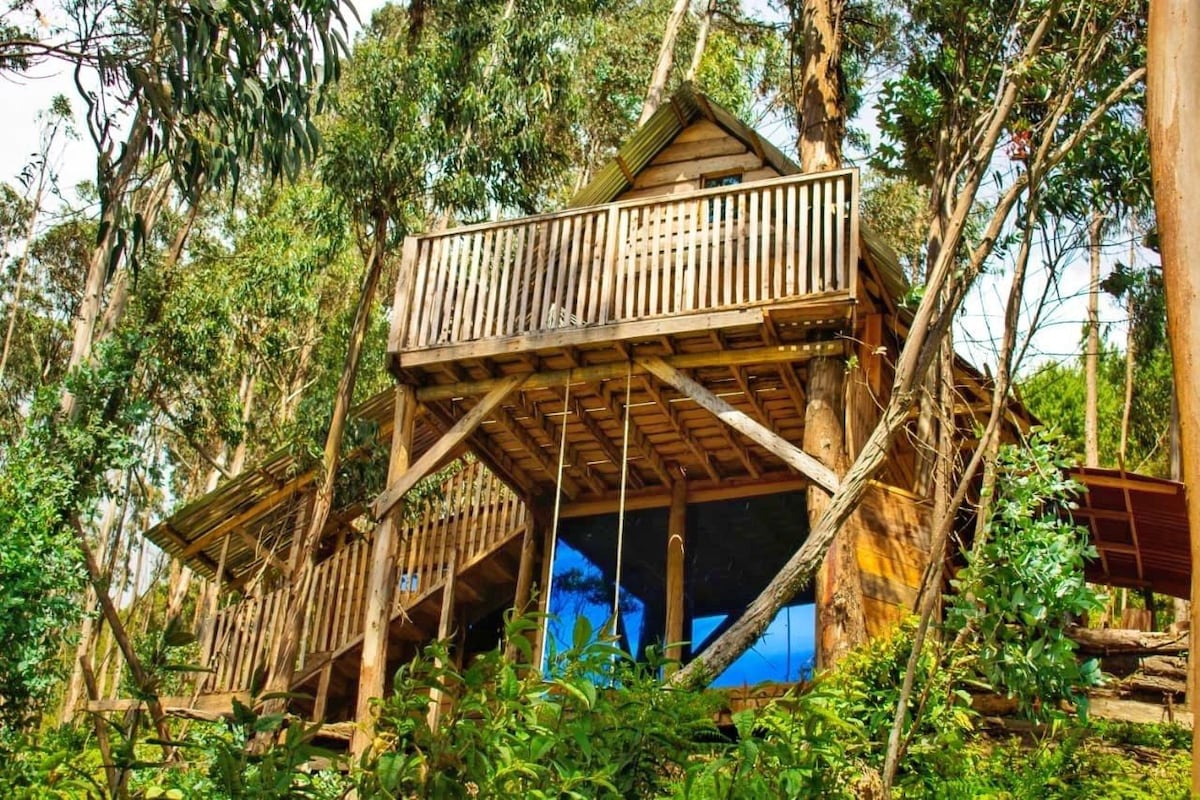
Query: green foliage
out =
(1023, 584)
(41, 576)
(603, 727)
(1056, 395)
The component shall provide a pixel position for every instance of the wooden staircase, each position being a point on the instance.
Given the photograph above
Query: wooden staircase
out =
(474, 527)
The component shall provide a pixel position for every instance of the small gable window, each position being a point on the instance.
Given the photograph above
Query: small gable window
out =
(713, 181)
(717, 205)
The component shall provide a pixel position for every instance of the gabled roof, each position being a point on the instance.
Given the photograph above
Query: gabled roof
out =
(680, 110)
(685, 106)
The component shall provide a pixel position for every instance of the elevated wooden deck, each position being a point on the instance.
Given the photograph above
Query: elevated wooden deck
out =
(665, 266)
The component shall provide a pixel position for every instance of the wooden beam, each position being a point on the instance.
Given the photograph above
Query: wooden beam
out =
(773, 354)
(445, 623)
(548, 464)
(572, 456)
(610, 450)
(793, 456)
(495, 459)
(258, 509)
(444, 446)
(595, 334)
(698, 492)
(638, 443)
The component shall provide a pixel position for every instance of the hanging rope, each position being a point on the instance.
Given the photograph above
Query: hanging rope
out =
(562, 454)
(621, 502)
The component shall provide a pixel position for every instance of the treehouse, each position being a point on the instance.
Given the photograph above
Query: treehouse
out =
(629, 406)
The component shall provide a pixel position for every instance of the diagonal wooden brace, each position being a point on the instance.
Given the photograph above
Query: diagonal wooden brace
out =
(434, 456)
(793, 456)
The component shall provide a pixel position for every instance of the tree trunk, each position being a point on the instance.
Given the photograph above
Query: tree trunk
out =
(1130, 363)
(283, 665)
(666, 57)
(840, 617)
(1173, 97)
(22, 265)
(701, 40)
(88, 314)
(89, 631)
(822, 112)
(1091, 358)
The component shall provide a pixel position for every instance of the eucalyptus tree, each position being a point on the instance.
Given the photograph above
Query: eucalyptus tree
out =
(198, 89)
(1173, 104)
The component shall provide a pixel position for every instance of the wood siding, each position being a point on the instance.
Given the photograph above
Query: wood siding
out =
(890, 533)
(703, 148)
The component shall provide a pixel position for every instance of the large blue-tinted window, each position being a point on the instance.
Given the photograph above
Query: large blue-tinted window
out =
(785, 653)
(733, 550)
(583, 580)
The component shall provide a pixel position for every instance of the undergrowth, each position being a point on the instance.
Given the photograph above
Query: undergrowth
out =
(605, 726)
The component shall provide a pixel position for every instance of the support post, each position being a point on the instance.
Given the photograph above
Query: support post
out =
(381, 580)
(840, 621)
(524, 590)
(445, 628)
(676, 550)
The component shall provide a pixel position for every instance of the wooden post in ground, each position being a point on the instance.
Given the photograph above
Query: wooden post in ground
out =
(840, 622)
(524, 591)
(445, 628)
(1173, 122)
(676, 550)
(381, 580)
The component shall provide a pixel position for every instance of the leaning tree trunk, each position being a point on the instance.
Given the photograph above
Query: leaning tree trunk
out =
(1173, 98)
(701, 40)
(666, 57)
(930, 324)
(283, 662)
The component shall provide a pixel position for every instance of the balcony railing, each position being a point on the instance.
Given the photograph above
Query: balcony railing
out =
(707, 250)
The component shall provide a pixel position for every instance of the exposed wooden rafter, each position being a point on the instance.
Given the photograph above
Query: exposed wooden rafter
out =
(792, 455)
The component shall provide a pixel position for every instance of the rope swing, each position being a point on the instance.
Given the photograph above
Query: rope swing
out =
(562, 451)
(621, 502)
(562, 454)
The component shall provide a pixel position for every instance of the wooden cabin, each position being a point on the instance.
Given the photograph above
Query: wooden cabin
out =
(621, 389)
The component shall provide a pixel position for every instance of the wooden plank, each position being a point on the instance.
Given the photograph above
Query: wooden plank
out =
(700, 130)
(691, 170)
(698, 149)
(791, 455)
(446, 445)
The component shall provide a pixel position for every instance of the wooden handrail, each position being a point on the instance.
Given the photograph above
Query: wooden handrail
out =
(475, 513)
(720, 248)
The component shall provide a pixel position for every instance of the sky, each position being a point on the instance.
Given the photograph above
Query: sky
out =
(24, 96)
